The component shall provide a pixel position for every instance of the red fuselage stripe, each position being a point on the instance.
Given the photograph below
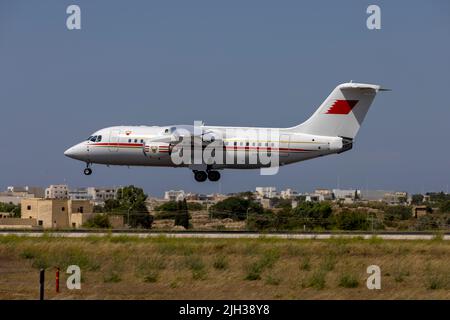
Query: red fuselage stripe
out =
(165, 148)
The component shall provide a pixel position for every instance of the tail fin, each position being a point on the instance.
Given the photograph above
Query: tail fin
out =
(342, 113)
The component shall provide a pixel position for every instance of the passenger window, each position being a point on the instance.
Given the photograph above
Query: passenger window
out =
(247, 144)
(259, 143)
(129, 140)
(99, 138)
(235, 143)
(135, 140)
(253, 144)
(142, 140)
(240, 143)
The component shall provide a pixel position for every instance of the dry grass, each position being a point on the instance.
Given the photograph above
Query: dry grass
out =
(167, 268)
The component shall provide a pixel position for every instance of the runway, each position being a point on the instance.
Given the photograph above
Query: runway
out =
(228, 235)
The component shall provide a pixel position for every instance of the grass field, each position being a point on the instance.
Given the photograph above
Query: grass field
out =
(169, 268)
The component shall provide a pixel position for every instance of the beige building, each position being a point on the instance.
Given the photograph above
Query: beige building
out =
(57, 213)
(17, 223)
(116, 221)
(419, 211)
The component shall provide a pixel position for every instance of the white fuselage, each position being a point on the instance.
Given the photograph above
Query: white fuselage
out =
(124, 145)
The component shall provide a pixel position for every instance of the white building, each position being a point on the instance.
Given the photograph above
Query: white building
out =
(266, 192)
(15, 194)
(100, 195)
(174, 195)
(346, 194)
(37, 192)
(79, 194)
(57, 191)
(314, 197)
(289, 194)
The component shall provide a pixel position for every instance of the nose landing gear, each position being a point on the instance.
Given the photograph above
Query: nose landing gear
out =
(88, 170)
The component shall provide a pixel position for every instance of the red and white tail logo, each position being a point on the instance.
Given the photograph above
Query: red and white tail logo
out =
(342, 107)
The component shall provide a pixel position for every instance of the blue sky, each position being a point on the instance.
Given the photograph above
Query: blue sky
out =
(250, 63)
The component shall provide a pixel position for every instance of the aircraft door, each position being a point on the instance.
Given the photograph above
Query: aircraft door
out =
(114, 140)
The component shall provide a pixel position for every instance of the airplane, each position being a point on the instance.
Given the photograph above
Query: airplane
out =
(330, 130)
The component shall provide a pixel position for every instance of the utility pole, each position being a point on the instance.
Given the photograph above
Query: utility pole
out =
(128, 218)
(41, 284)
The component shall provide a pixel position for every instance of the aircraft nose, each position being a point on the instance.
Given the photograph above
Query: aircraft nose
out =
(69, 152)
(75, 152)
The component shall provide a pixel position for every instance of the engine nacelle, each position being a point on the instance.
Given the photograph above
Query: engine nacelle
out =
(157, 149)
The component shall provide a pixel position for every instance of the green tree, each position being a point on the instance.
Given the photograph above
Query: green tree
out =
(438, 196)
(351, 220)
(235, 208)
(261, 221)
(182, 216)
(99, 221)
(169, 206)
(194, 206)
(111, 205)
(444, 206)
(313, 214)
(10, 208)
(282, 203)
(397, 213)
(130, 202)
(416, 199)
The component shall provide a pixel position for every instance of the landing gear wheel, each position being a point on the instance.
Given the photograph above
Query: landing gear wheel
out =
(213, 175)
(88, 171)
(200, 176)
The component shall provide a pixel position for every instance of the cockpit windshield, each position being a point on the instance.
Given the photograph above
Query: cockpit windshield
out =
(95, 138)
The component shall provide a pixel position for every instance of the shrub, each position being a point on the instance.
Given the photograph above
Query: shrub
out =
(305, 264)
(220, 262)
(170, 206)
(235, 208)
(435, 283)
(397, 213)
(28, 253)
(112, 277)
(255, 269)
(348, 281)
(197, 267)
(253, 272)
(152, 276)
(399, 275)
(351, 220)
(273, 280)
(317, 280)
(328, 263)
(194, 206)
(99, 221)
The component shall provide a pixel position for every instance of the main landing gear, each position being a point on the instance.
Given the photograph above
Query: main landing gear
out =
(88, 170)
(201, 176)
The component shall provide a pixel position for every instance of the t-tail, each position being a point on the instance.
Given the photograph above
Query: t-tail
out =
(342, 112)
